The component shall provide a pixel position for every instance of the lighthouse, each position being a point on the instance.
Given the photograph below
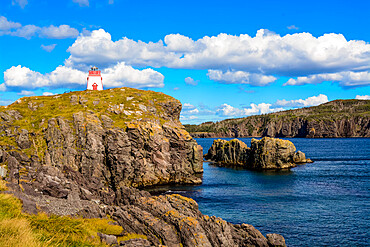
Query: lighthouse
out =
(94, 80)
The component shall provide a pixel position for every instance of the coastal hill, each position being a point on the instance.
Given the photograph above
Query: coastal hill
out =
(83, 158)
(338, 118)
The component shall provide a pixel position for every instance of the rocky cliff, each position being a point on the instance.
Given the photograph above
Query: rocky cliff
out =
(339, 118)
(82, 154)
(264, 154)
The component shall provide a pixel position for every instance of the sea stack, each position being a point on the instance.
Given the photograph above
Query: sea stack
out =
(265, 154)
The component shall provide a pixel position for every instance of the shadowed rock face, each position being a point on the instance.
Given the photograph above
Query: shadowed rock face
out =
(82, 160)
(267, 153)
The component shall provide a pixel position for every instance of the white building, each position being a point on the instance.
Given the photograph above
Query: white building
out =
(94, 80)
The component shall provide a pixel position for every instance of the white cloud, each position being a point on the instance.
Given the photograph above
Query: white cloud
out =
(99, 48)
(266, 53)
(23, 77)
(123, 75)
(292, 27)
(48, 94)
(232, 77)
(19, 78)
(82, 3)
(5, 102)
(48, 48)
(310, 101)
(188, 106)
(363, 97)
(60, 32)
(226, 110)
(111, 2)
(257, 60)
(27, 31)
(185, 118)
(21, 3)
(345, 79)
(191, 81)
(6, 25)
(26, 93)
(179, 43)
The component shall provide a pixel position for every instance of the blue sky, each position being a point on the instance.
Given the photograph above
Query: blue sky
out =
(221, 59)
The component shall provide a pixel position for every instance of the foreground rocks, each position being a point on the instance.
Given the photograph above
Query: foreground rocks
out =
(267, 153)
(83, 154)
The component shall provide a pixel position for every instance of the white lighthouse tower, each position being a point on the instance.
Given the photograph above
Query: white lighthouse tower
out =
(94, 80)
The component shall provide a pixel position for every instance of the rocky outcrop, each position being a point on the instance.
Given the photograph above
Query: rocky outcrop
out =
(83, 154)
(339, 118)
(121, 149)
(264, 154)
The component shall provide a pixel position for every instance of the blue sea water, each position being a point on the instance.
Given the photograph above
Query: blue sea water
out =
(326, 203)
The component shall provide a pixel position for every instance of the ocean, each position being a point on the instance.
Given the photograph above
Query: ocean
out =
(326, 203)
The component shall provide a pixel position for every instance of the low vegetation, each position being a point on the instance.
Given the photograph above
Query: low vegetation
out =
(20, 229)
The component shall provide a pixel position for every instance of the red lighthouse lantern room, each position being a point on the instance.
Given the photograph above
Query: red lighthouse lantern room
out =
(94, 80)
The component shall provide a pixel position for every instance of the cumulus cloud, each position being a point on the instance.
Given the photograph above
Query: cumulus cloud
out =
(186, 118)
(98, 47)
(48, 94)
(226, 110)
(345, 79)
(191, 81)
(240, 77)
(29, 31)
(23, 77)
(363, 97)
(82, 3)
(257, 60)
(26, 93)
(179, 43)
(310, 101)
(123, 75)
(21, 3)
(188, 106)
(299, 53)
(48, 48)
(6, 25)
(60, 32)
(19, 78)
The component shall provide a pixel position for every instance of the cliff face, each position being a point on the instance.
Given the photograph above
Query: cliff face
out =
(118, 137)
(339, 118)
(82, 154)
(267, 153)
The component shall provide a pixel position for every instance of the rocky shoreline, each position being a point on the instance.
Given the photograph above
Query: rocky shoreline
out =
(86, 154)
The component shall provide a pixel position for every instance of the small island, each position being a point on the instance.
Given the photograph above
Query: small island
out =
(265, 154)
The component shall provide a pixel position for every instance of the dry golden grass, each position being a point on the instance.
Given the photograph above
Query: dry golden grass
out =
(20, 229)
(17, 232)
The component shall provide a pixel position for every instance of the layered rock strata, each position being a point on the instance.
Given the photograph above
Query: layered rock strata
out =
(82, 154)
(264, 154)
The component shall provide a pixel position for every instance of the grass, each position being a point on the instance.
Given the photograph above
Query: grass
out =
(20, 229)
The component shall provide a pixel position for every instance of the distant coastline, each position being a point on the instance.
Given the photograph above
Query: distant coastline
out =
(335, 119)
